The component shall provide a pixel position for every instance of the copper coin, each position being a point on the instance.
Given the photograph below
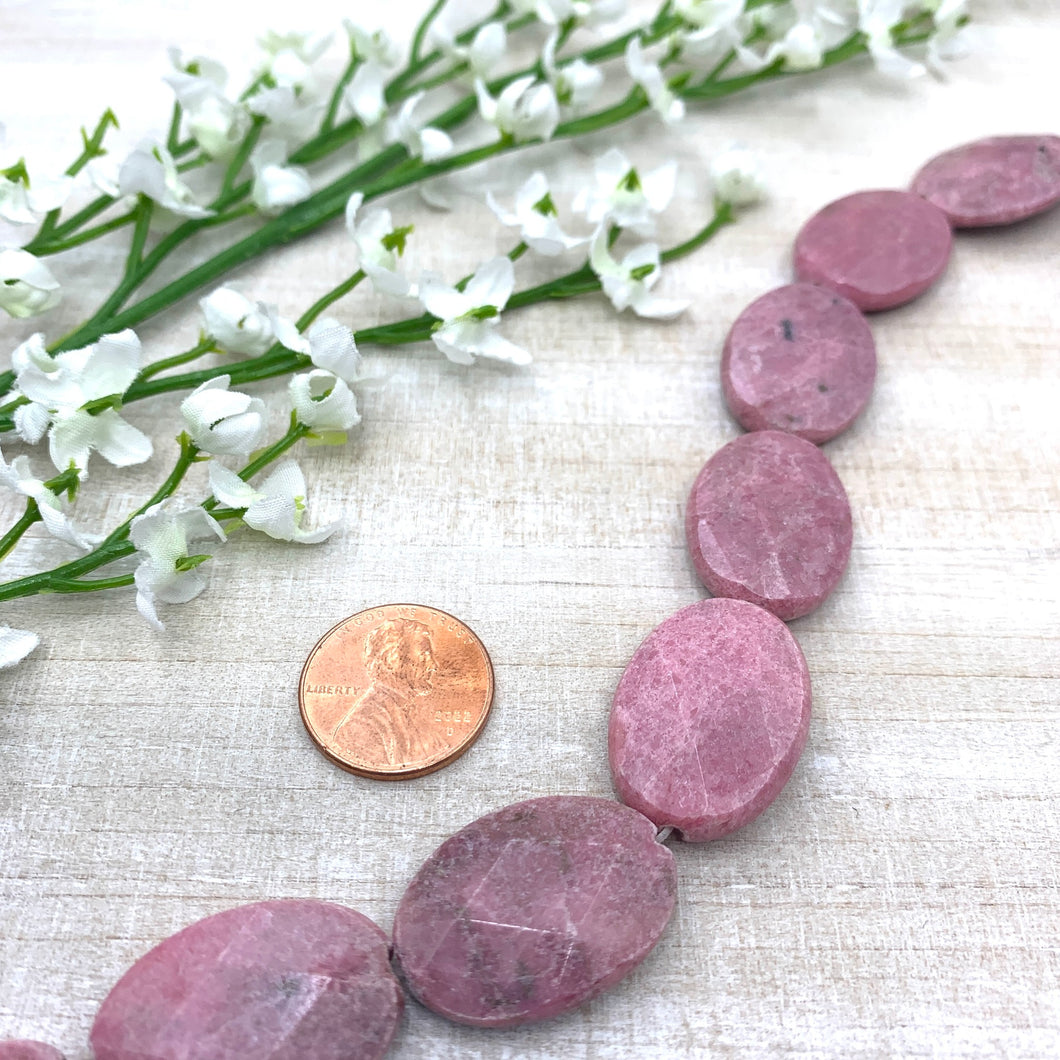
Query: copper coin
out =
(396, 691)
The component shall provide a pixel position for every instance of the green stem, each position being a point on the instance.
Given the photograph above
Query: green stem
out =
(328, 299)
(423, 28)
(55, 247)
(332, 113)
(30, 516)
(238, 161)
(173, 136)
(205, 345)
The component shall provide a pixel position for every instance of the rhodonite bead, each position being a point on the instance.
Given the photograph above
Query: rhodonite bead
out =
(530, 911)
(768, 522)
(994, 181)
(799, 359)
(880, 249)
(23, 1049)
(294, 979)
(709, 718)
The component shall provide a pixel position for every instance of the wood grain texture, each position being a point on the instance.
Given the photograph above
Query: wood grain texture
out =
(901, 897)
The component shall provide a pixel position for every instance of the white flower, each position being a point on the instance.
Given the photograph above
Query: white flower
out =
(27, 286)
(103, 175)
(333, 348)
(737, 177)
(468, 317)
(525, 110)
(290, 114)
(238, 324)
(167, 571)
(380, 246)
(18, 477)
(625, 197)
(365, 93)
(877, 19)
(151, 171)
(15, 645)
(584, 12)
(482, 55)
(535, 216)
(650, 77)
(372, 45)
(323, 401)
(629, 284)
(276, 507)
(710, 14)
(221, 421)
(59, 387)
(214, 121)
(277, 185)
(23, 202)
(421, 141)
(575, 83)
(289, 56)
(949, 41)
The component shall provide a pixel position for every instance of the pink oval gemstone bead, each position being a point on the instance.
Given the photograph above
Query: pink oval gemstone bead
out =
(994, 181)
(880, 249)
(23, 1049)
(531, 911)
(799, 359)
(768, 522)
(709, 718)
(280, 980)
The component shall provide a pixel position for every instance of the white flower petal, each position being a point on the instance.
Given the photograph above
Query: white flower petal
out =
(492, 283)
(31, 421)
(442, 300)
(27, 286)
(119, 442)
(112, 365)
(323, 401)
(239, 325)
(229, 488)
(15, 645)
(364, 94)
(222, 421)
(333, 348)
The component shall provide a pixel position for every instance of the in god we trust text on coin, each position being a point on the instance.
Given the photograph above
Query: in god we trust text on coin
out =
(396, 691)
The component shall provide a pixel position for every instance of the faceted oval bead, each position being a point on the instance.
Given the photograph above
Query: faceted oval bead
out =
(880, 249)
(281, 980)
(995, 181)
(709, 718)
(799, 359)
(768, 521)
(24, 1049)
(530, 911)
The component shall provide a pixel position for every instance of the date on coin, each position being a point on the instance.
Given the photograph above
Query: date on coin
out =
(396, 691)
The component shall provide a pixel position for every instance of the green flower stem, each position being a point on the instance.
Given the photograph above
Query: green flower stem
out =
(66, 577)
(331, 297)
(332, 113)
(87, 235)
(239, 160)
(424, 27)
(204, 346)
(30, 516)
(53, 239)
(173, 136)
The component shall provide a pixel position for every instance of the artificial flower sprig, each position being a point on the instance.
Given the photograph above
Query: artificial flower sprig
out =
(226, 159)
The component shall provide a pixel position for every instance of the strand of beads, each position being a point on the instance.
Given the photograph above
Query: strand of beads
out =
(532, 910)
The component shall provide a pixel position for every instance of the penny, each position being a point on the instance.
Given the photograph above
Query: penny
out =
(396, 691)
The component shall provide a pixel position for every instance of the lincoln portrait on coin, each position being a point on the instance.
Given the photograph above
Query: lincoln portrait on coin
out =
(399, 660)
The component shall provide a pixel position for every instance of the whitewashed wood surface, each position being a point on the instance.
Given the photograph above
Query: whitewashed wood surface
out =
(901, 897)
